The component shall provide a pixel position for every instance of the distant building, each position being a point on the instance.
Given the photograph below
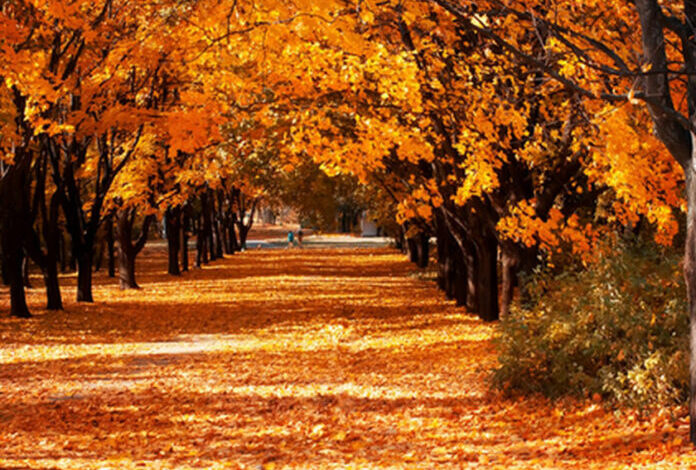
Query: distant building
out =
(368, 225)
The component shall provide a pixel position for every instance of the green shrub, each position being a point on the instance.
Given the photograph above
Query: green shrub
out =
(618, 329)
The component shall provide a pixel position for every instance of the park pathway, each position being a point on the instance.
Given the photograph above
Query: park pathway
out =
(322, 358)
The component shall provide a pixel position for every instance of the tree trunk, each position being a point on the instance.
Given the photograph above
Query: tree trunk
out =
(25, 271)
(215, 228)
(126, 258)
(5, 273)
(84, 276)
(465, 286)
(110, 248)
(419, 249)
(218, 238)
(516, 260)
(201, 249)
(72, 260)
(234, 243)
(399, 240)
(18, 302)
(411, 250)
(228, 233)
(509, 265)
(472, 292)
(690, 277)
(452, 272)
(452, 276)
(185, 240)
(15, 216)
(459, 282)
(423, 248)
(53, 236)
(207, 227)
(99, 255)
(172, 223)
(54, 300)
(126, 270)
(224, 218)
(487, 277)
(12, 267)
(444, 265)
(63, 253)
(127, 250)
(243, 233)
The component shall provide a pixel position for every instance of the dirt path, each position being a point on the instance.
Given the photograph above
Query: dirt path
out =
(310, 359)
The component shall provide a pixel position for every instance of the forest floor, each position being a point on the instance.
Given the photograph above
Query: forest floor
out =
(323, 358)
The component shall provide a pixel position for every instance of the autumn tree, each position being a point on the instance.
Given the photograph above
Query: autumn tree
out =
(598, 54)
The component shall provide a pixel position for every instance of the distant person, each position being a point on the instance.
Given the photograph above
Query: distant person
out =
(291, 239)
(299, 238)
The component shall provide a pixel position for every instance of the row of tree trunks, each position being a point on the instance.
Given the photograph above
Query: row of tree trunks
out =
(452, 267)
(221, 221)
(474, 268)
(47, 257)
(245, 213)
(31, 226)
(419, 249)
(467, 261)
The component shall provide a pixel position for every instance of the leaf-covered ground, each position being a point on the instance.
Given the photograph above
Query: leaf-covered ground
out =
(321, 358)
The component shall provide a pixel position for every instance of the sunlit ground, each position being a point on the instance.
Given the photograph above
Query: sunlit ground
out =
(287, 358)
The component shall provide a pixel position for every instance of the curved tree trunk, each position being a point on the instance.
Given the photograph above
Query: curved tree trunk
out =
(126, 270)
(127, 250)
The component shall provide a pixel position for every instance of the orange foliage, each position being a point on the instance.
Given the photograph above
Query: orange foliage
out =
(331, 358)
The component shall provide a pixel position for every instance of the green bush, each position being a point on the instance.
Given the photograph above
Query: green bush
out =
(618, 329)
